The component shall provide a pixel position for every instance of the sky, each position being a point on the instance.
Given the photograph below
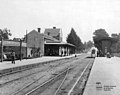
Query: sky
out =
(85, 16)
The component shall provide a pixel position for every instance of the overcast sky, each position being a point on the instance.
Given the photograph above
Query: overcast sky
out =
(85, 16)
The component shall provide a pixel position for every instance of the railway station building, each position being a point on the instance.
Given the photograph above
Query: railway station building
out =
(48, 43)
(37, 44)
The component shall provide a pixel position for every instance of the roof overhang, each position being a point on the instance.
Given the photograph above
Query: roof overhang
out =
(12, 43)
(61, 43)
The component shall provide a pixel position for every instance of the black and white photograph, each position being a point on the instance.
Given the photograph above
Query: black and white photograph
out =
(59, 47)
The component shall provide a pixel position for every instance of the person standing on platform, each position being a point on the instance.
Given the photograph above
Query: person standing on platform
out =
(13, 57)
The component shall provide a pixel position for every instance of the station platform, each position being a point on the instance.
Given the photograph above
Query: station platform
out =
(8, 67)
(104, 78)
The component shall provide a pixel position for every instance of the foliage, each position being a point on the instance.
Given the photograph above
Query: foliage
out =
(74, 39)
(116, 46)
(88, 44)
(5, 33)
(100, 33)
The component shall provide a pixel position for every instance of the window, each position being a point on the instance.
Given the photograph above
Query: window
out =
(48, 33)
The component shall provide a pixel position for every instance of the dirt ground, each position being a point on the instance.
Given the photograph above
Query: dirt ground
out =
(46, 71)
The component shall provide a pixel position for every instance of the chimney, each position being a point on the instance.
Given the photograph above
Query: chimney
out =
(39, 30)
(54, 27)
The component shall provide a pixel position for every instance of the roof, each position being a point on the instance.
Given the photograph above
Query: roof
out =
(34, 31)
(50, 38)
(52, 31)
(13, 43)
(61, 43)
(45, 36)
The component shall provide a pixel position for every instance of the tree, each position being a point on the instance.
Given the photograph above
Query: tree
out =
(115, 35)
(5, 33)
(74, 39)
(100, 33)
(88, 44)
(116, 46)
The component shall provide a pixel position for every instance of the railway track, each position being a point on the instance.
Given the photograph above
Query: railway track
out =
(41, 77)
(18, 92)
(58, 89)
(44, 85)
(79, 85)
(39, 89)
(28, 67)
(18, 78)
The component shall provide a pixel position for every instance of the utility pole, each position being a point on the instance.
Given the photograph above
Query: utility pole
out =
(20, 49)
(26, 44)
(1, 49)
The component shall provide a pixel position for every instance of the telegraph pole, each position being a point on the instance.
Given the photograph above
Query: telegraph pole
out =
(1, 49)
(20, 49)
(26, 44)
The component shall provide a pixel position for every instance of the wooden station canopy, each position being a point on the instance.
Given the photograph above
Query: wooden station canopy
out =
(61, 44)
(59, 49)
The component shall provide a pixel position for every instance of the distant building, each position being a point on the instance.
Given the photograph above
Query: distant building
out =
(9, 45)
(16, 39)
